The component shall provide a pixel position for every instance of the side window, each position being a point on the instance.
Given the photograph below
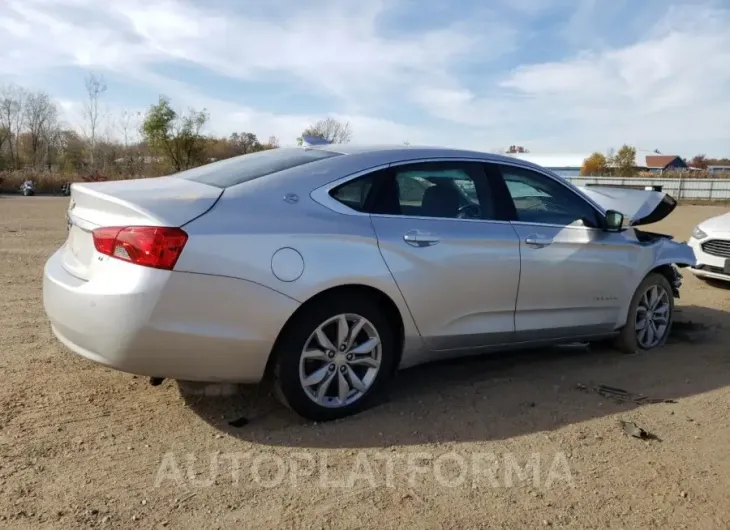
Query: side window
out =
(354, 193)
(451, 190)
(540, 199)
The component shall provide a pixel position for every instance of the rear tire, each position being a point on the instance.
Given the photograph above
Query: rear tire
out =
(650, 316)
(324, 378)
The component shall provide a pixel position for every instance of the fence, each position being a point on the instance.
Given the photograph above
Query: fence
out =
(680, 189)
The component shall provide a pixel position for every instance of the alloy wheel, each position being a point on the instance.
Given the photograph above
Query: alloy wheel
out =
(652, 317)
(340, 360)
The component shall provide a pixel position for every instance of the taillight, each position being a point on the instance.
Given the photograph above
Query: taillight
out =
(149, 246)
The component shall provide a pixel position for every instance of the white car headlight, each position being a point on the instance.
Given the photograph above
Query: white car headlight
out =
(697, 233)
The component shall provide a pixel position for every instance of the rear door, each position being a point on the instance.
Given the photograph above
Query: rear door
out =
(573, 273)
(455, 260)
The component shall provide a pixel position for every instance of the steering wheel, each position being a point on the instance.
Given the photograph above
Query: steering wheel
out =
(469, 211)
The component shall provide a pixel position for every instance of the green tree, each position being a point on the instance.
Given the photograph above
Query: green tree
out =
(174, 136)
(624, 161)
(596, 164)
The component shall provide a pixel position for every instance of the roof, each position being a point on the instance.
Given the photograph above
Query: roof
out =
(659, 161)
(398, 151)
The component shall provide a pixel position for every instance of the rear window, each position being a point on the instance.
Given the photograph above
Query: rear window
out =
(227, 173)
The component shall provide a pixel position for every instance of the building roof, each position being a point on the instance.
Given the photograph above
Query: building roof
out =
(659, 161)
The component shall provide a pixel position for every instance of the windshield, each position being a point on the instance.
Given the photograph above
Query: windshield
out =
(227, 173)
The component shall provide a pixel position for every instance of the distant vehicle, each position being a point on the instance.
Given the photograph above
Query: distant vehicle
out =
(27, 188)
(711, 244)
(329, 267)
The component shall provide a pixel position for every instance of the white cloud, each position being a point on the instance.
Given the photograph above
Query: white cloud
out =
(666, 90)
(336, 48)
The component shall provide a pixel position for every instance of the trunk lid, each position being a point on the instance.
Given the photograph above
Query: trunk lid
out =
(163, 201)
(641, 206)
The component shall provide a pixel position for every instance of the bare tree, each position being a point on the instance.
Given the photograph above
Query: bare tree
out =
(41, 118)
(12, 104)
(95, 88)
(328, 129)
(125, 126)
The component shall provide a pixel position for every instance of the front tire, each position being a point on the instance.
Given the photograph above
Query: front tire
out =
(650, 316)
(335, 359)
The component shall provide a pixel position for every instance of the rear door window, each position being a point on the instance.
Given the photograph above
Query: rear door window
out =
(354, 194)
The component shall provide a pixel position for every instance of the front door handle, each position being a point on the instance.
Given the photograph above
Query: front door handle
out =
(538, 241)
(419, 238)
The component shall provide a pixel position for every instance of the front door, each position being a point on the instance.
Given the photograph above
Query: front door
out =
(573, 273)
(456, 264)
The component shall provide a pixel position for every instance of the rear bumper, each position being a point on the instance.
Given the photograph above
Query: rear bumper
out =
(166, 324)
(708, 266)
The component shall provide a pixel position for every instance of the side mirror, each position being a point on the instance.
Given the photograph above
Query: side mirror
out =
(614, 221)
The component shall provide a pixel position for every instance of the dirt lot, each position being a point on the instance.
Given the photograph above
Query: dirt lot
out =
(82, 446)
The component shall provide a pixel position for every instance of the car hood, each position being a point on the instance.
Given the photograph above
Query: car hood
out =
(642, 207)
(721, 223)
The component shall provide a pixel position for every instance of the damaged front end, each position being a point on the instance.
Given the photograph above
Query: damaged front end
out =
(644, 207)
(676, 281)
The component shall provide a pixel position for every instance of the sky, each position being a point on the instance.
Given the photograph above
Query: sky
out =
(555, 76)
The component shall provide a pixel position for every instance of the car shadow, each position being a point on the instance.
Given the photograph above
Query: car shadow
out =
(499, 396)
(719, 284)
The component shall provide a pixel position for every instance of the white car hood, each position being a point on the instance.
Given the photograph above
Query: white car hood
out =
(719, 224)
(640, 206)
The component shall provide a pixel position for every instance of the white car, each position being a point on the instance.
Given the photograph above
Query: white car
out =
(711, 243)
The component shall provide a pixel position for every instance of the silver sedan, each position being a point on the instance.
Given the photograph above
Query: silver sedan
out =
(330, 267)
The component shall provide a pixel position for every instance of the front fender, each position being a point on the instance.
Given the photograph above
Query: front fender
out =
(664, 252)
(670, 252)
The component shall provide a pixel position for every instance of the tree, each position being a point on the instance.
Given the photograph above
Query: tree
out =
(72, 151)
(176, 137)
(328, 129)
(244, 143)
(596, 164)
(517, 149)
(699, 161)
(95, 88)
(12, 105)
(41, 115)
(126, 125)
(624, 161)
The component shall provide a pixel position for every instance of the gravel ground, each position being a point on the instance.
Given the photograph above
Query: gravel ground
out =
(516, 441)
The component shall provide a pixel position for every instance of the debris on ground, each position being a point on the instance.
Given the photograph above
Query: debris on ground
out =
(631, 429)
(619, 395)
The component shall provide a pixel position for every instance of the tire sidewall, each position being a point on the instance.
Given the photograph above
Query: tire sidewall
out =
(289, 349)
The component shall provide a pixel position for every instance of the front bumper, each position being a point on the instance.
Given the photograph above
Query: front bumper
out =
(708, 265)
(166, 324)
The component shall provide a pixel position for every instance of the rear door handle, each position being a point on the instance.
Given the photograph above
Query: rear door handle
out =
(537, 240)
(419, 238)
